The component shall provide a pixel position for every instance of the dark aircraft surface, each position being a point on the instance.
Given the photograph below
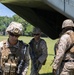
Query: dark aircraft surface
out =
(48, 15)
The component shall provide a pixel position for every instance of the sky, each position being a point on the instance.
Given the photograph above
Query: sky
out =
(4, 11)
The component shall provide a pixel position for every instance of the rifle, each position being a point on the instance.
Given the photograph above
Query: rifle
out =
(19, 67)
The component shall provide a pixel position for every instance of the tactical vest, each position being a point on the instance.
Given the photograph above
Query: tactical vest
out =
(36, 50)
(10, 60)
(71, 48)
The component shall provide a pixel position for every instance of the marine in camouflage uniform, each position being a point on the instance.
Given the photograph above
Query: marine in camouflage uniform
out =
(65, 52)
(38, 52)
(14, 54)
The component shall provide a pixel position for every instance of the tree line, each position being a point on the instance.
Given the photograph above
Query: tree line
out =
(27, 27)
(5, 21)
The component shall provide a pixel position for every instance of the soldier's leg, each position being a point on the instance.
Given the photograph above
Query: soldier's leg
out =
(33, 72)
(40, 65)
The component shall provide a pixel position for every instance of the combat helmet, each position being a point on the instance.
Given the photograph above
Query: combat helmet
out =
(67, 23)
(15, 28)
(36, 31)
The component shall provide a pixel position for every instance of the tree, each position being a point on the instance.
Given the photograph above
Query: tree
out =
(5, 21)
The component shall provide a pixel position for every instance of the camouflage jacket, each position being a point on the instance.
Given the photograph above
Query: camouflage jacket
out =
(14, 55)
(38, 50)
(64, 46)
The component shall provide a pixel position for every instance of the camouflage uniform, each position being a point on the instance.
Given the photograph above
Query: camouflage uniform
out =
(38, 53)
(14, 59)
(64, 56)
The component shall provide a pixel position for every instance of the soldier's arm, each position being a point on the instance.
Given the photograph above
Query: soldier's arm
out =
(1, 45)
(43, 57)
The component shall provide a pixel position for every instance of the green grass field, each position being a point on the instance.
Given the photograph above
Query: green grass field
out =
(46, 69)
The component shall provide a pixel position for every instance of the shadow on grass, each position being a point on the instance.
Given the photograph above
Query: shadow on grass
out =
(51, 54)
(47, 74)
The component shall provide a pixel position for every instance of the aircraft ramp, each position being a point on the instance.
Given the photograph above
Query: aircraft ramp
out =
(48, 15)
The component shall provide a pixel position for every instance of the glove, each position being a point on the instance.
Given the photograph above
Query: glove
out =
(54, 71)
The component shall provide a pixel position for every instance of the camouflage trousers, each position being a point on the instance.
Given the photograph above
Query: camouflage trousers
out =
(33, 72)
(67, 68)
(8, 74)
